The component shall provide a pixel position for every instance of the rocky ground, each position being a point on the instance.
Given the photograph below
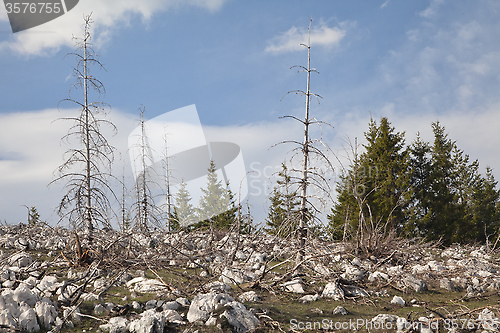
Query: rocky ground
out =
(203, 282)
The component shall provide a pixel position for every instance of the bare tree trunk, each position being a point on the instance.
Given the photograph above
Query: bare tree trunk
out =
(302, 230)
(88, 185)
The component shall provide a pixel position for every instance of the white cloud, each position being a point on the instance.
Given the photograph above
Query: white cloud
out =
(385, 4)
(30, 149)
(291, 40)
(108, 15)
(431, 11)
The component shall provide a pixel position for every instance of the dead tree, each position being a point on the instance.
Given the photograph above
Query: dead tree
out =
(308, 175)
(146, 214)
(86, 169)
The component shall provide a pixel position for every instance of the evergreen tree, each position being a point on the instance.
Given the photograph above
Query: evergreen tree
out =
(418, 209)
(442, 222)
(484, 209)
(378, 182)
(216, 198)
(283, 212)
(385, 166)
(184, 213)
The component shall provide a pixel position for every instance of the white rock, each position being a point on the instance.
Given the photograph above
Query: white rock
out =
(20, 260)
(236, 276)
(398, 300)
(204, 304)
(134, 281)
(340, 310)
(30, 282)
(8, 304)
(49, 283)
(7, 319)
(353, 273)
(249, 296)
(173, 305)
(46, 313)
(150, 322)
(217, 286)
(239, 317)
(294, 286)
(333, 290)
(309, 298)
(385, 318)
(378, 276)
(184, 302)
(115, 325)
(27, 321)
(395, 270)
(172, 316)
(24, 294)
(149, 286)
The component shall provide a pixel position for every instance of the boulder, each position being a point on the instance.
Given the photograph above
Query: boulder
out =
(340, 310)
(239, 317)
(7, 319)
(49, 283)
(204, 304)
(115, 325)
(398, 300)
(28, 322)
(46, 314)
(353, 273)
(333, 290)
(294, 286)
(150, 322)
(412, 282)
(20, 260)
(446, 284)
(24, 294)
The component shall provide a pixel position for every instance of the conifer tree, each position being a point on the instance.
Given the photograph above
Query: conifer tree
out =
(283, 212)
(184, 213)
(377, 182)
(484, 209)
(418, 210)
(216, 198)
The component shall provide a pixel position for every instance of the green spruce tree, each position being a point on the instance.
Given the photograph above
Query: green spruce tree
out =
(184, 213)
(282, 219)
(216, 198)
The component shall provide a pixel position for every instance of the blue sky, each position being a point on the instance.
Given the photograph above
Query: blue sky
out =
(413, 61)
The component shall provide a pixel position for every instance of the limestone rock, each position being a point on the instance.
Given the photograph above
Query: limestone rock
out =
(249, 296)
(28, 322)
(204, 304)
(239, 317)
(46, 314)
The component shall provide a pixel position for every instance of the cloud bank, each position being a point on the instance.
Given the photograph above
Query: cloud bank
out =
(321, 35)
(48, 38)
